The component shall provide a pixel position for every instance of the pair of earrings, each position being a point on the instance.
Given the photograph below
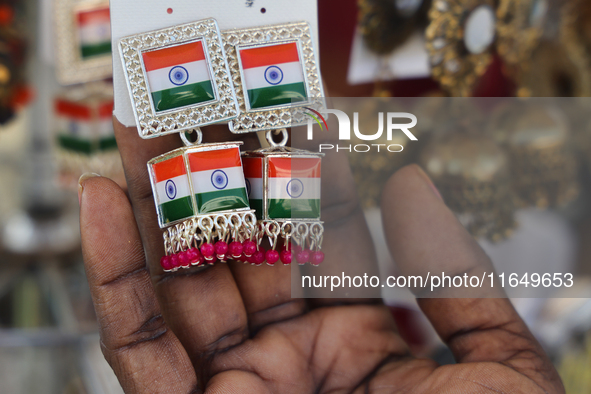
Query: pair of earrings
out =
(215, 203)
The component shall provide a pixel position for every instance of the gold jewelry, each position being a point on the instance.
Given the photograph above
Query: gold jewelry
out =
(459, 41)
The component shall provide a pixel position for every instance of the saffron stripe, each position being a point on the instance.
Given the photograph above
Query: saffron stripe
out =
(169, 57)
(214, 159)
(175, 210)
(269, 55)
(222, 201)
(294, 167)
(294, 209)
(277, 95)
(169, 169)
(72, 110)
(253, 167)
(100, 15)
(183, 96)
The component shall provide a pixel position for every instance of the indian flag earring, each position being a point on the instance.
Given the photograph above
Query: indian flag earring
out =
(83, 37)
(178, 81)
(275, 74)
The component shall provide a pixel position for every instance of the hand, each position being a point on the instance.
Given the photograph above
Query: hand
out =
(234, 328)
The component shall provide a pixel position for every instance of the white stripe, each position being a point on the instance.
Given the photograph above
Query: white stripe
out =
(202, 180)
(256, 188)
(182, 189)
(255, 77)
(77, 128)
(105, 128)
(160, 80)
(278, 188)
(95, 33)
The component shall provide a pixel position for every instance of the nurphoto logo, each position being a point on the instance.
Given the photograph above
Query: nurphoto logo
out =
(392, 121)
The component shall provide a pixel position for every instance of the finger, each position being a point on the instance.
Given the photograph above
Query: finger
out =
(422, 232)
(347, 242)
(135, 340)
(201, 305)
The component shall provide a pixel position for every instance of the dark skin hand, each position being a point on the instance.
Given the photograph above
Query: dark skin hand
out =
(234, 328)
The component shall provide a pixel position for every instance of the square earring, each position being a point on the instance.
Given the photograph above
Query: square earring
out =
(83, 41)
(178, 78)
(275, 72)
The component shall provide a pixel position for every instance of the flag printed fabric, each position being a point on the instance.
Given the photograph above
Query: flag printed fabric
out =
(171, 186)
(294, 188)
(178, 76)
(273, 75)
(94, 32)
(218, 180)
(253, 174)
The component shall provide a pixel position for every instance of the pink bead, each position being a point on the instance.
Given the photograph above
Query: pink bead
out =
(235, 249)
(249, 248)
(272, 256)
(317, 258)
(174, 261)
(285, 257)
(208, 251)
(195, 256)
(258, 257)
(303, 257)
(166, 263)
(221, 248)
(243, 258)
(184, 260)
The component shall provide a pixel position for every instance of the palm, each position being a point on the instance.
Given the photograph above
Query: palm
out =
(234, 328)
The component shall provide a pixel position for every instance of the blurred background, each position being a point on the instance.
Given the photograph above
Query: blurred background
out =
(518, 178)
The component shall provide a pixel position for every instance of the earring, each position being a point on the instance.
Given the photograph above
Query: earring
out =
(275, 74)
(179, 81)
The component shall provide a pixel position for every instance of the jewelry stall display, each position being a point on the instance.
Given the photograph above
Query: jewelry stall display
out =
(472, 174)
(14, 91)
(83, 40)
(543, 165)
(520, 26)
(84, 133)
(459, 42)
(575, 37)
(386, 24)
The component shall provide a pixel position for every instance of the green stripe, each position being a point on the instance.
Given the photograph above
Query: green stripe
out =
(92, 50)
(277, 95)
(257, 205)
(222, 200)
(182, 96)
(86, 146)
(294, 209)
(76, 144)
(180, 208)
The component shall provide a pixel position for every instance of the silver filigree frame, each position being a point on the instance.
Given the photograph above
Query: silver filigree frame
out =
(152, 124)
(184, 152)
(71, 68)
(255, 120)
